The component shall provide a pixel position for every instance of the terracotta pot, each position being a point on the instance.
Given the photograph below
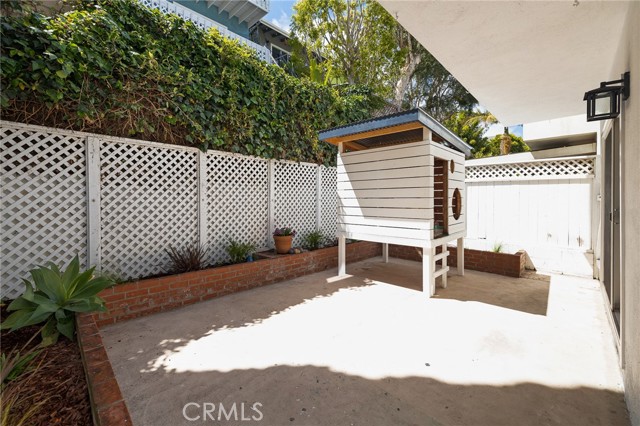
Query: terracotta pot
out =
(283, 243)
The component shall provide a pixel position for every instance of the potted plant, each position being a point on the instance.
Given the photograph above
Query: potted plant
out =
(283, 238)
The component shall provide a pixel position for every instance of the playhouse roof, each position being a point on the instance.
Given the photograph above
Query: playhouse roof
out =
(402, 127)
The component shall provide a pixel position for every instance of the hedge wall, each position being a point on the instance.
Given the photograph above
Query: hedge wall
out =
(116, 67)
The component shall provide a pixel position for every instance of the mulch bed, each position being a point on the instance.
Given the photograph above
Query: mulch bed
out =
(57, 388)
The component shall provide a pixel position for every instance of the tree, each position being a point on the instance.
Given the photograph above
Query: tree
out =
(353, 40)
(496, 146)
(435, 90)
(470, 131)
(410, 50)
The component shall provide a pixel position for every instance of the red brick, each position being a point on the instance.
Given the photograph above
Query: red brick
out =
(95, 356)
(115, 415)
(105, 322)
(106, 392)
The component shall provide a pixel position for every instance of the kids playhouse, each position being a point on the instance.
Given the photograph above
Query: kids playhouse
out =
(401, 181)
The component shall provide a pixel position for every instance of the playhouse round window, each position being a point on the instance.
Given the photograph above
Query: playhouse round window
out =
(452, 166)
(456, 204)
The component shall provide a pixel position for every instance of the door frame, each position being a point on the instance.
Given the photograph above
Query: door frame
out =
(615, 128)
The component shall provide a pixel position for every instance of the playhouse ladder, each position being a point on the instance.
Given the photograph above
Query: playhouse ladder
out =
(429, 270)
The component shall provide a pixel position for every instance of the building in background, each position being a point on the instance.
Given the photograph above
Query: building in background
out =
(273, 38)
(232, 18)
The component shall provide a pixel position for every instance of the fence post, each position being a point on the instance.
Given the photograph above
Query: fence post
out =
(318, 197)
(202, 199)
(272, 200)
(92, 164)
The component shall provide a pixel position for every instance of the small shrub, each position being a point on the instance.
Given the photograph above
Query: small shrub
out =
(497, 248)
(23, 400)
(191, 257)
(16, 362)
(56, 298)
(313, 240)
(238, 252)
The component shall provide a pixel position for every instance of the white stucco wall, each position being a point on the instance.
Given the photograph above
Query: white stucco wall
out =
(566, 126)
(628, 59)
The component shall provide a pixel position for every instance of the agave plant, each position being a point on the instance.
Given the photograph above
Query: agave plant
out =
(54, 297)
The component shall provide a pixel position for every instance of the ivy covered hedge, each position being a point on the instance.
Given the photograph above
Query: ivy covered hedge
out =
(116, 67)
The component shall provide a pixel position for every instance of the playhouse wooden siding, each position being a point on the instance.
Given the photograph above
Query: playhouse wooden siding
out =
(387, 194)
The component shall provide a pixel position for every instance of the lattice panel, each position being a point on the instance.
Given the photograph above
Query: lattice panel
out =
(329, 203)
(149, 201)
(295, 198)
(43, 203)
(582, 167)
(238, 202)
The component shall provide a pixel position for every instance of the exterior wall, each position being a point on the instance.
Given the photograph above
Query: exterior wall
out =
(456, 180)
(386, 194)
(628, 59)
(232, 24)
(559, 127)
(265, 38)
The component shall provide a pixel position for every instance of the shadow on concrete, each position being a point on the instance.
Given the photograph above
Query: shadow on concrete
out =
(317, 396)
(529, 294)
(521, 294)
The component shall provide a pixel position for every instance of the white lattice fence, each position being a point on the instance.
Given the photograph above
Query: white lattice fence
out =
(43, 203)
(295, 197)
(238, 202)
(149, 200)
(567, 168)
(143, 197)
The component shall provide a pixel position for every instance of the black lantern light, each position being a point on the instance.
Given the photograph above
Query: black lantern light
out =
(604, 102)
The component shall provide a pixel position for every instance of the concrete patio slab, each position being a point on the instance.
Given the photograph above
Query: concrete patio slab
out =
(371, 349)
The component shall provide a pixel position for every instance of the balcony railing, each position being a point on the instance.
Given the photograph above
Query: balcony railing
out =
(206, 23)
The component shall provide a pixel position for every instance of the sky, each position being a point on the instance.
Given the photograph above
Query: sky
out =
(280, 13)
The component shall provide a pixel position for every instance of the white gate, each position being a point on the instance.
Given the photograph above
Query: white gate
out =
(542, 206)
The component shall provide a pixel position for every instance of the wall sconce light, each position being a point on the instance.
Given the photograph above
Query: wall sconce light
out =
(604, 102)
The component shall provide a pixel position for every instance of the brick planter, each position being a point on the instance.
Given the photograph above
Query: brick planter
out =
(148, 296)
(145, 297)
(511, 265)
(108, 407)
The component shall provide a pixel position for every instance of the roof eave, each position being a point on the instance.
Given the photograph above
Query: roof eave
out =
(416, 115)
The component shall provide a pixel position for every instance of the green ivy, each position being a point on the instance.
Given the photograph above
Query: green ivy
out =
(118, 68)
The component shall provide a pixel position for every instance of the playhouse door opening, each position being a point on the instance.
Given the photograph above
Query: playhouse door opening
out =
(441, 198)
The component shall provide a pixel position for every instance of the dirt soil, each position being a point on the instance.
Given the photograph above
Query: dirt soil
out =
(55, 389)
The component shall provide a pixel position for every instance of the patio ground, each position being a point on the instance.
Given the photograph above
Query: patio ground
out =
(371, 350)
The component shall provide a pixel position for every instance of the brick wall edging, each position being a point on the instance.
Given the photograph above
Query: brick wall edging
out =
(511, 265)
(108, 407)
(148, 296)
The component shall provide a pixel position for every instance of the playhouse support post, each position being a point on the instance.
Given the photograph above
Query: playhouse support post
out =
(342, 256)
(385, 252)
(428, 270)
(444, 265)
(460, 254)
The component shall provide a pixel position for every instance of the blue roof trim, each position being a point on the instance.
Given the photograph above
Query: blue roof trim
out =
(395, 120)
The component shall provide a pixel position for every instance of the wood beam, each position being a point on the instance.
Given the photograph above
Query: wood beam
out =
(354, 146)
(377, 132)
